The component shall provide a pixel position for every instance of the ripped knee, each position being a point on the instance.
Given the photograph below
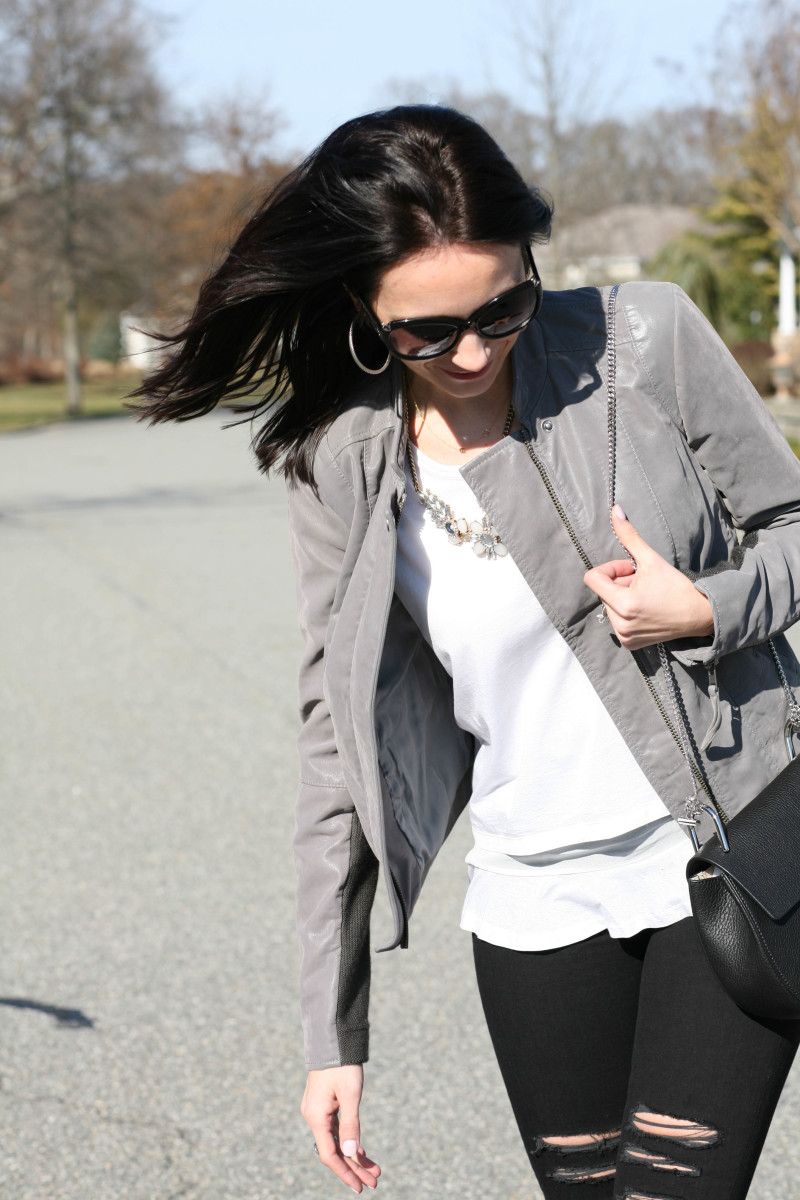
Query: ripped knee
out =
(580, 1144)
(682, 1130)
(582, 1174)
(581, 1141)
(657, 1162)
(639, 1195)
(671, 1131)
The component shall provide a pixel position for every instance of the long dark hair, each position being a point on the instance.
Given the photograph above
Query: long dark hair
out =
(272, 320)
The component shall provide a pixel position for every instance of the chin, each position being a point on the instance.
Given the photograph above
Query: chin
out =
(469, 386)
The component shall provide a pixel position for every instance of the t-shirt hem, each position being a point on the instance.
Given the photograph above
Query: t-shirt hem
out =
(574, 834)
(498, 936)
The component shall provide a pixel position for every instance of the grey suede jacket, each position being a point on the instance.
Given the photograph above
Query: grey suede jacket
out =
(705, 476)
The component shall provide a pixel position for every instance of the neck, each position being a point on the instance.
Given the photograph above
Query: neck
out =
(456, 430)
(461, 411)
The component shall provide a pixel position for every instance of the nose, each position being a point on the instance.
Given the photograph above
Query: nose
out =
(471, 352)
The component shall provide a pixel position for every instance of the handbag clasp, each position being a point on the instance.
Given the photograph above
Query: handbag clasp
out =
(716, 818)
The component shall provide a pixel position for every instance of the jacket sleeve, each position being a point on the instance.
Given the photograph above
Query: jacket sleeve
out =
(336, 869)
(756, 594)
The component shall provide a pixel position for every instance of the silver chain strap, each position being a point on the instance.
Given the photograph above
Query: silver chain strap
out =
(611, 356)
(692, 805)
(793, 718)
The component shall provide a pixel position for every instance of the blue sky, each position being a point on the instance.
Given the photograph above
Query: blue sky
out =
(326, 60)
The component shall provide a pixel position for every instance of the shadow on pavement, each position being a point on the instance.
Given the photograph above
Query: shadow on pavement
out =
(68, 1018)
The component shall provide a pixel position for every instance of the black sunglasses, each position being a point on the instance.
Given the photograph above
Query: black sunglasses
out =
(428, 337)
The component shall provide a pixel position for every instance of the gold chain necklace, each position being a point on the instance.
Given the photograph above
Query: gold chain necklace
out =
(481, 534)
(465, 448)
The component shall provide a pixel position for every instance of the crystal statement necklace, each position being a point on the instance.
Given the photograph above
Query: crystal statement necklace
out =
(481, 534)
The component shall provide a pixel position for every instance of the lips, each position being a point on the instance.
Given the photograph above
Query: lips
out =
(467, 375)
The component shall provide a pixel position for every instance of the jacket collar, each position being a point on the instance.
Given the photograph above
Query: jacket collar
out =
(529, 359)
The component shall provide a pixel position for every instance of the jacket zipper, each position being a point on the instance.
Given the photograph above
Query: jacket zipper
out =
(559, 507)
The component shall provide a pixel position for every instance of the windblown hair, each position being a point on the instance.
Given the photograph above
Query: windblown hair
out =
(272, 321)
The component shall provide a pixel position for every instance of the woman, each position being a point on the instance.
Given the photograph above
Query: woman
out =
(444, 435)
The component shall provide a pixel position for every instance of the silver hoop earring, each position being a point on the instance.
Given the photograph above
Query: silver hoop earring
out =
(357, 360)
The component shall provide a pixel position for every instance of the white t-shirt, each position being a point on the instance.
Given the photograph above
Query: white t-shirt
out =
(553, 777)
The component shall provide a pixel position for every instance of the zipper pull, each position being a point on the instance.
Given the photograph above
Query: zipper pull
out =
(689, 821)
(713, 695)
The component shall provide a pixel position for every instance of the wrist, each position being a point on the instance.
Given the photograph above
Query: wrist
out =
(702, 622)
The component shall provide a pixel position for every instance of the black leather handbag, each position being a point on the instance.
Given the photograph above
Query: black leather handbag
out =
(744, 882)
(746, 900)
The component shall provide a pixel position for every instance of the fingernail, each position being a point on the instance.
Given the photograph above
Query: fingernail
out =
(618, 512)
(350, 1148)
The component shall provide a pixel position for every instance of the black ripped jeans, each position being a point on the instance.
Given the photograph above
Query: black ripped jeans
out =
(631, 1073)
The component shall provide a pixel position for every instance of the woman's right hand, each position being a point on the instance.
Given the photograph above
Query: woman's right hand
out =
(330, 1107)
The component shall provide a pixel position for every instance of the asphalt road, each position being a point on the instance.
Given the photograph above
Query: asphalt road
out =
(149, 1040)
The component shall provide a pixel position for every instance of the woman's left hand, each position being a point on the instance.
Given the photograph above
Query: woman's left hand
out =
(652, 601)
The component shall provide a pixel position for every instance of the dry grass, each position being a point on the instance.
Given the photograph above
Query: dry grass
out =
(25, 405)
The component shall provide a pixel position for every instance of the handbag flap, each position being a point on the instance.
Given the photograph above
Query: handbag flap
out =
(764, 855)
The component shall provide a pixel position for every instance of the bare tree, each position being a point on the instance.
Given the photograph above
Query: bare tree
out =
(239, 131)
(661, 157)
(82, 111)
(561, 57)
(234, 164)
